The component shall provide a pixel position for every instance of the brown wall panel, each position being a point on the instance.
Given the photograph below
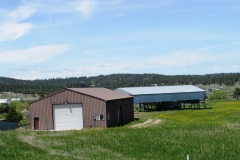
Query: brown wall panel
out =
(113, 107)
(43, 108)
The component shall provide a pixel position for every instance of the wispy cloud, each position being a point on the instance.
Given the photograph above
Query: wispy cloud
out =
(179, 59)
(216, 67)
(86, 7)
(83, 70)
(102, 66)
(97, 51)
(120, 5)
(11, 27)
(21, 13)
(235, 66)
(13, 31)
(195, 56)
(32, 55)
(89, 7)
(36, 74)
(151, 63)
(184, 59)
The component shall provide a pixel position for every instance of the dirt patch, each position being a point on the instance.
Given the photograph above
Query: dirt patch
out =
(31, 140)
(233, 125)
(157, 121)
(147, 123)
(27, 139)
(142, 124)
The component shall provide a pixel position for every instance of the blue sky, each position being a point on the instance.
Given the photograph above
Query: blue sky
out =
(44, 39)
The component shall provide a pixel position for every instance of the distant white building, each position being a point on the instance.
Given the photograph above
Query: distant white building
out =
(4, 101)
(16, 99)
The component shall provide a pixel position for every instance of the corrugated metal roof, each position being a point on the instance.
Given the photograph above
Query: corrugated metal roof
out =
(160, 90)
(101, 93)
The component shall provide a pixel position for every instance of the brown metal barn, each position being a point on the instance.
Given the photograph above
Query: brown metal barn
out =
(75, 108)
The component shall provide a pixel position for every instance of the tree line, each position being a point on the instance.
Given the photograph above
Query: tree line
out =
(113, 81)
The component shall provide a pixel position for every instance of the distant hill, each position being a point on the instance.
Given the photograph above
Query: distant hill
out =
(113, 81)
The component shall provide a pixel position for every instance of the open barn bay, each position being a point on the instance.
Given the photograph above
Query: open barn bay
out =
(211, 133)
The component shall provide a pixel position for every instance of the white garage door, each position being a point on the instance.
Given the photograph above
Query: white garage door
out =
(68, 116)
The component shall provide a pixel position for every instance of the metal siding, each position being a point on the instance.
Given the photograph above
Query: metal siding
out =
(43, 109)
(169, 97)
(114, 106)
(91, 107)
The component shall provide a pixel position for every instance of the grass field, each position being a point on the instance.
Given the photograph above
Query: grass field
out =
(204, 134)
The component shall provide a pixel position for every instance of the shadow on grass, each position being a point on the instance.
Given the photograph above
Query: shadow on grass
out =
(196, 108)
(176, 109)
(125, 123)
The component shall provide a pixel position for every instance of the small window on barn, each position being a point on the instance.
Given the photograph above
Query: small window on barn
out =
(108, 116)
(99, 117)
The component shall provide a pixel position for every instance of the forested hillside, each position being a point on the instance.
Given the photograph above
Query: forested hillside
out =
(113, 81)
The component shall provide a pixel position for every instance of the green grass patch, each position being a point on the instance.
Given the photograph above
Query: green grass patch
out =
(202, 133)
(218, 112)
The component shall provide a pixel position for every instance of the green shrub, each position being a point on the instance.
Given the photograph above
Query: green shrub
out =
(237, 93)
(4, 108)
(13, 115)
(19, 106)
(219, 95)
